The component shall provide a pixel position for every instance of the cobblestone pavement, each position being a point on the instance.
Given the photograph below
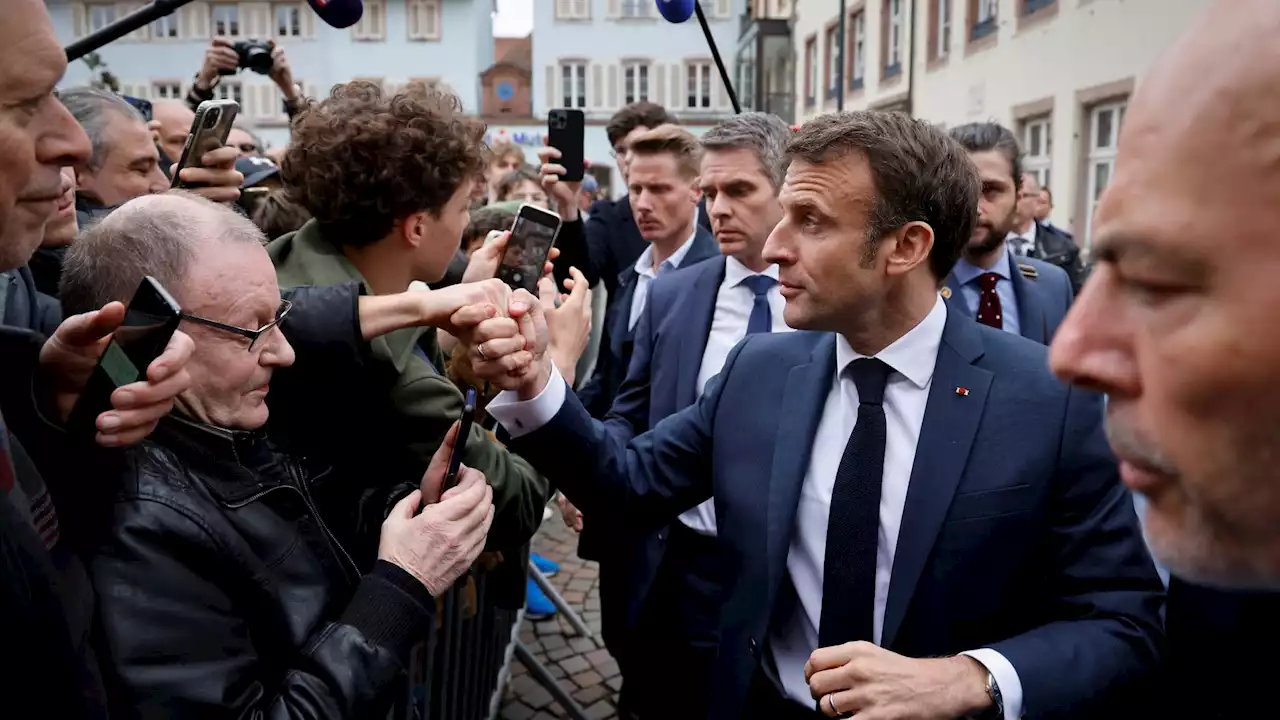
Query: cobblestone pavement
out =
(581, 665)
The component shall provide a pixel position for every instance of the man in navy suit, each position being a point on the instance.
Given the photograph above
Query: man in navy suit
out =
(659, 591)
(989, 283)
(969, 551)
(662, 175)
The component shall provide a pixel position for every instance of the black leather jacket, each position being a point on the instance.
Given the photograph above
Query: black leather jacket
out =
(222, 592)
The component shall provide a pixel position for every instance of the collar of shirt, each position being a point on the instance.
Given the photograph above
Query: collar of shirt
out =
(914, 355)
(966, 272)
(644, 263)
(735, 272)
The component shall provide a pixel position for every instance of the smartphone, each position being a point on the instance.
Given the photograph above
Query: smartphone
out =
(209, 132)
(143, 106)
(565, 132)
(532, 235)
(149, 322)
(460, 443)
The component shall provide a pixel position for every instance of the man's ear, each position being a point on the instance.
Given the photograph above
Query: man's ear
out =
(415, 228)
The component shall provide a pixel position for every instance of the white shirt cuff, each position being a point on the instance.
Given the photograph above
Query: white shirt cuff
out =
(521, 417)
(1006, 679)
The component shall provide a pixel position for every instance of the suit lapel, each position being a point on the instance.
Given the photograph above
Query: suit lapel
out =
(1031, 315)
(955, 298)
(801, 409)
(950, 423)
(619, 315)
(695, 315)
(704, 246)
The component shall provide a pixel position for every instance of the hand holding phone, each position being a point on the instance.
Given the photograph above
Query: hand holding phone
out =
(532, 236)
(460, 441)
(209, 131)
(566, 130)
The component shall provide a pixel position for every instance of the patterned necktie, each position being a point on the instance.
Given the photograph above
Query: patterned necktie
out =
(989, 311)
(853, 525)
(761, 319)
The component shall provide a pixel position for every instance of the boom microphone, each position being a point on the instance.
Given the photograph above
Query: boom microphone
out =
(338, 13)
(676, 11)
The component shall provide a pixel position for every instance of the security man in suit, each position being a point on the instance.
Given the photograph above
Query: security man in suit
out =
(970, 551)
(990, 283)
(1034, 237)
(661, 598)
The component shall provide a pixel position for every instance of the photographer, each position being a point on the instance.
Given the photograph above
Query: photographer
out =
(224, 57)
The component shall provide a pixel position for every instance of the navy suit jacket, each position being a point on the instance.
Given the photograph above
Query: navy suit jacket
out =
(1044, 295)
(616, 338)
(1016, 535)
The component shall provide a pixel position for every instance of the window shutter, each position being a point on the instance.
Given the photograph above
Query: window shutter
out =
(677, 86)
(613, 9)
(581, 8)
(722, 95)
(195, 20)
(259, 19)
(612, 101)
(597, 85)
(434, 20)
(79, 19)
(659, 82)
(308, 24)
(724, 9)
(563, 9)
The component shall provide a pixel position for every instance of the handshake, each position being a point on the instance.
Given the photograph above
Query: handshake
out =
(511, 338)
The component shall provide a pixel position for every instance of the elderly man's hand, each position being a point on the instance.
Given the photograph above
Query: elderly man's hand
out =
(218, 180)
(68, 358)
(485, 260)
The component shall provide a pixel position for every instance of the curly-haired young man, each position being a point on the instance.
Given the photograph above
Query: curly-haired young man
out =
(387, 180)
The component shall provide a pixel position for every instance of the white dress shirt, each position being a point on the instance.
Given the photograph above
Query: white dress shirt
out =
(912, 357)
(728, 326)
(644, 268)
(1022, 243)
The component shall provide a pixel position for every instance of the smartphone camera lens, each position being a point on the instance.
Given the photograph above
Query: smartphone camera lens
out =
(211, 118)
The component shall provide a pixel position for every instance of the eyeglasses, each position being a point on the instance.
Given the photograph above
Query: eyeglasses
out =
(253, 335)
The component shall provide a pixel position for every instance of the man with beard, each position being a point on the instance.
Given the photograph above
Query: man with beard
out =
(1020, 295)
(1173, 326)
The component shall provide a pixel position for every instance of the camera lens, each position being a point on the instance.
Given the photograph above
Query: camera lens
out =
(211, 118)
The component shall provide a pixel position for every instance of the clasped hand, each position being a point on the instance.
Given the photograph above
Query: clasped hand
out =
(864, 681)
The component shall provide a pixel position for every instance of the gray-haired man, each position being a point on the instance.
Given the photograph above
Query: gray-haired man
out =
(660, 598)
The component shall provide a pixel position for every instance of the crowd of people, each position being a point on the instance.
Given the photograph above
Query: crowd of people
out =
(857, 432)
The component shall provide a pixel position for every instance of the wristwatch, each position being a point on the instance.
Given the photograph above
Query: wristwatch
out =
(996, 711)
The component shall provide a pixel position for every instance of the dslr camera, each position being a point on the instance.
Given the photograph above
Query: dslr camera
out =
(254, 55)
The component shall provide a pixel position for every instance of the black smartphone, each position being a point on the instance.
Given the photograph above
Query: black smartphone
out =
(566, 131)
(143, 106)
(460, 443)
(209, 132)
(532, 235)
(149, 322)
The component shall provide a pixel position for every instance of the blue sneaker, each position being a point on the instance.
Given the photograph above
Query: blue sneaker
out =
(537, 606)
(545, 566)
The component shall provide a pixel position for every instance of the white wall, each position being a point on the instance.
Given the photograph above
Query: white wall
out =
(1059, 62)
(330, 57)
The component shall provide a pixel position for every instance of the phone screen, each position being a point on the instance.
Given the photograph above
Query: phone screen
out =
(149, 322)
(527, 250)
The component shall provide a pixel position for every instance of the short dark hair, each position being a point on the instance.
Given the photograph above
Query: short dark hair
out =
(361, 159)
(279, 214)
(919, 173)
(988, 136)
(512, 180)
(486, 220)
(637, 114)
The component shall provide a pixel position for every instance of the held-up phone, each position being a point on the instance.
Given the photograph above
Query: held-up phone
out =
(143, 106)
(460, 442)
(532, 235)
(565, 132)
(149, 322)
(209, 132)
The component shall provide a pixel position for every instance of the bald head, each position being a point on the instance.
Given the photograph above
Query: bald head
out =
(156, 235)
(1175, 321)
(175, 120)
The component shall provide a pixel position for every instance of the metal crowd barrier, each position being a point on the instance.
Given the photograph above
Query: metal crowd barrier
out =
(459, 672)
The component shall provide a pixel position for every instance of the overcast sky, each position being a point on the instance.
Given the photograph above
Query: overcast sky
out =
(514, 18)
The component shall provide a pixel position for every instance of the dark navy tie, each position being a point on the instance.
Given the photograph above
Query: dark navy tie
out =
(760, 320)
(853, 526)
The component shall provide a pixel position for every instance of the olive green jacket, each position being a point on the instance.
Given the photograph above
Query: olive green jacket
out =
(425, 402)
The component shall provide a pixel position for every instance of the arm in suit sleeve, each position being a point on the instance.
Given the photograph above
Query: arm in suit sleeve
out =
(585, 245)
(1103, 598)
(653, 478)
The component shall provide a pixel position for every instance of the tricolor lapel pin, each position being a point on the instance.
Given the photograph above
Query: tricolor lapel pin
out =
(962, 391)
